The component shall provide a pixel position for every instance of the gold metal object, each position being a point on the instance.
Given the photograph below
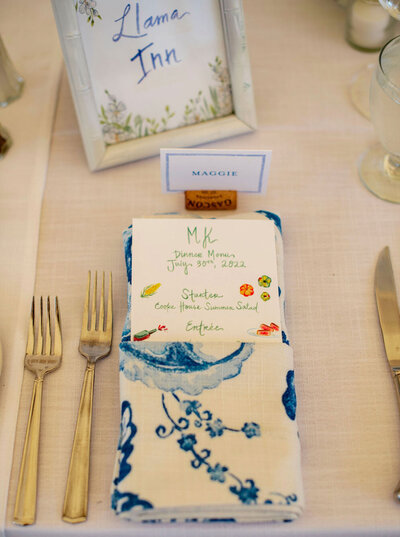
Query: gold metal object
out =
(95, 343)
(5, 141)
(389, 317)
(43, 355)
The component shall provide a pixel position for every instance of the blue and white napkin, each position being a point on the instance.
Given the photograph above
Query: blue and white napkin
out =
(208, 431)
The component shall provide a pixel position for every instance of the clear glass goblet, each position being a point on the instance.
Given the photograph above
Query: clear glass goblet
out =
(379, 167)
(368, 28)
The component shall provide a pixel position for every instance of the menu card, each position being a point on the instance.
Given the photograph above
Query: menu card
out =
(201, 280)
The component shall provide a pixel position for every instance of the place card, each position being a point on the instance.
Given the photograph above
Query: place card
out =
(212, 169)
(204, 280)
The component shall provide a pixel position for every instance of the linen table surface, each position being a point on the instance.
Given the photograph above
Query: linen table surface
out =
(333, 230)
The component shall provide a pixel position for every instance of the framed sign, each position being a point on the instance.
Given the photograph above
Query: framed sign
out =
(155, 73)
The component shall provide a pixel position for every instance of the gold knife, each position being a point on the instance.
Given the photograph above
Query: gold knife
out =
(389, 317)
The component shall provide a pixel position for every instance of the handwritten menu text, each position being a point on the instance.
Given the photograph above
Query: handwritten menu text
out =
(196, 279)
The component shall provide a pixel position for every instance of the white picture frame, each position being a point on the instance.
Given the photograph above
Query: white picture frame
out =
(101, 155)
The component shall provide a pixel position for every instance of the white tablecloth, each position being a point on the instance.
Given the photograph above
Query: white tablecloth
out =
(333, 229)
(31, 40)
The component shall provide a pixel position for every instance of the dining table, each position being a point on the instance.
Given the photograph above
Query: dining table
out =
(58, 220)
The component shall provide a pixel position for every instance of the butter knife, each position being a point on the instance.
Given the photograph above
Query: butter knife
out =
(389, 317)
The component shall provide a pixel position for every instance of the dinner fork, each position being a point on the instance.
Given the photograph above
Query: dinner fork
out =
(43, 355)
(95, 343)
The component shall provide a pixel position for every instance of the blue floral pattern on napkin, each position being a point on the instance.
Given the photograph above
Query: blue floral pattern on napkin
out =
(246, 490)
(126, 501)
(289, 397)
(192, 418)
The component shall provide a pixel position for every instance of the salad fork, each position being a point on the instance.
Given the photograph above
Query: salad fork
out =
(95, 343)
(43, 355)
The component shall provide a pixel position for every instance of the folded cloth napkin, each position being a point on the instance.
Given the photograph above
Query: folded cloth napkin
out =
(208, 431)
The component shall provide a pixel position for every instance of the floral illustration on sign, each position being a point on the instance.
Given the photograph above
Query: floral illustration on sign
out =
(246, 289)
(150, 290)
(120, 126)
(264, 281)
(220, 98)
(88, 7)
(194, 417)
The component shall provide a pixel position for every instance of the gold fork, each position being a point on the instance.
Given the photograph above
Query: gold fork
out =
(95, 343)
(43, 355)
